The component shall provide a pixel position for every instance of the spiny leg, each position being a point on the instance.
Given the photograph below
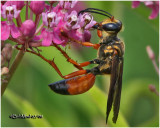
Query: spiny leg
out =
(67, 57)
(51, 62)
(80, 72)
(76, 73)
(77, 65)
(88, 44)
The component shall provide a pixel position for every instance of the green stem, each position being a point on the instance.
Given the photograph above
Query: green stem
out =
(12, 70)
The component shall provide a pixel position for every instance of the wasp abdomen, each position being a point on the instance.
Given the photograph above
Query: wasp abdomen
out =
(75, 85)
(60, 87)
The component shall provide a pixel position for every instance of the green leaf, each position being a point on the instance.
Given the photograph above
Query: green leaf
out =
(26, 108)
(100, 100)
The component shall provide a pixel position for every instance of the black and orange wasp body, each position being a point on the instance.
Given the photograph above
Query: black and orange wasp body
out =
(109, 61)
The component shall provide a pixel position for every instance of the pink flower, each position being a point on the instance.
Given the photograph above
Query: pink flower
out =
(10, 12)
(135, 4)
(49, 36)
(64, 6)
(86, 21)
(155, 8)
(153, 5)
(8, 27)
(50, 33)
(50, 19)
(68, 25)
(19, 4)
(67, 4)
(37, 7)
(83, 35)
(71, 21)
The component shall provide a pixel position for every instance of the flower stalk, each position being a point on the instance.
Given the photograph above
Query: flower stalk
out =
(12, 71)
(26, 10)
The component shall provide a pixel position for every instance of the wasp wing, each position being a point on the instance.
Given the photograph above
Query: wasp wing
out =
(113, 81)
(117, 98)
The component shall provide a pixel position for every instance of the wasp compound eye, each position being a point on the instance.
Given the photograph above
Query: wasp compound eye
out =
(111, 27)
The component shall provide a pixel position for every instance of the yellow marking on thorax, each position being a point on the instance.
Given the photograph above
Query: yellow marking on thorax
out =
(108, 51)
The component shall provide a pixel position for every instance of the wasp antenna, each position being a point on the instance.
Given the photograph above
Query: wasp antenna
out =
(98, 10)
(93, 12)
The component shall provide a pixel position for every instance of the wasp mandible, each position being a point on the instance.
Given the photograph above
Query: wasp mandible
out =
(109, 59)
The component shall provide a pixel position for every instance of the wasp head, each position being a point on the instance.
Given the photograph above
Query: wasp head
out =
(111, 26)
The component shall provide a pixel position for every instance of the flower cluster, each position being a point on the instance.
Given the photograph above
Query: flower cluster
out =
(58, 26)
(153, 5)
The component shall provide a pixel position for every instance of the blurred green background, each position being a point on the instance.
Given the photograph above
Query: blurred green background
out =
(28, 91)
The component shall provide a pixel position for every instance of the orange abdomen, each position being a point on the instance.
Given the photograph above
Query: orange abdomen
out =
(75, 85)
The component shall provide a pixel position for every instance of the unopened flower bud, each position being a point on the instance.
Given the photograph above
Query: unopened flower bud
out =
(150, 52)
(37, 7)
(4, 71)
(19, 4)
(2, 60)
(28, 28)
(87, 36)
(152, 88)
(7, 52)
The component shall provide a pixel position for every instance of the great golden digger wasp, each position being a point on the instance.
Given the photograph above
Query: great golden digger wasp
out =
(110, 61)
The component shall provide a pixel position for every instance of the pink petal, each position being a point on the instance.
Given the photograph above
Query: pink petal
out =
(135, 4)
(47, 38)
(149, 3)
(67, 5)
(154, 13)
(57, 40)
(44, 18)
(88, 26)
(36, 38)
(5, 31)
(73, 34)
(79, 34)
(14, 31)
(87, 36)
(3, 11)
(73, 3)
